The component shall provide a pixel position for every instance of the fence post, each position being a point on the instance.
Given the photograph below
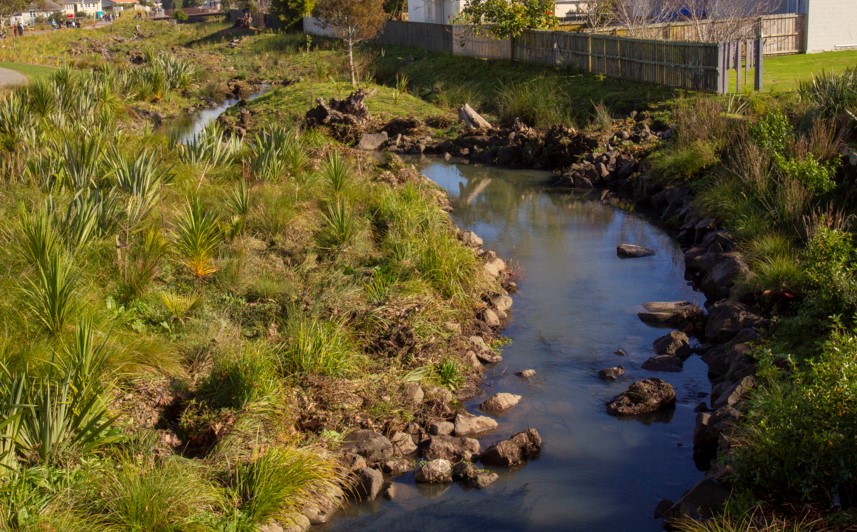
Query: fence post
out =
(722, 71)
(759, 54)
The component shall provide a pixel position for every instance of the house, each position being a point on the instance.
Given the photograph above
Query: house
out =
(36, 11)
(444, 11)
(89, 7)
(830, 25)
(118, 6)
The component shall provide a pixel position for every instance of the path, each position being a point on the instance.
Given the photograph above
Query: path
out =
(10, 77)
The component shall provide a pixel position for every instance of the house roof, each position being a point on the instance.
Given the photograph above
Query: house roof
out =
(43, 5)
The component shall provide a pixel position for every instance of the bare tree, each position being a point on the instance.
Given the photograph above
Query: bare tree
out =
(353, 21)
(724, 20)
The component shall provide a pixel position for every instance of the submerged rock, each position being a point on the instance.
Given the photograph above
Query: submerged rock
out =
(369, 483)
(643, 396)
(703, 501)
(611, 374)
(511, 452)
(500, 402)
(663, 363)
(526, 374)
(669, 313)
(633, 251)
(438, 471)
(675, 343)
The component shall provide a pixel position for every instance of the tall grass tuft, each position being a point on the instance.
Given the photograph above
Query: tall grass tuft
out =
(834, 94)
(198, 236)
(339, 227)
(538, 103)
(278, 483)
(336, 171)
(315, 347)
(38, 239)
(51, 295)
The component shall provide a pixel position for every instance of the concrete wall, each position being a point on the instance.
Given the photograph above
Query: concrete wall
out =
(831, 25)
(434, 11)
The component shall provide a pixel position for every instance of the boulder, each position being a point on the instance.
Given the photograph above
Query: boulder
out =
(439, 394)
(490, 318)
(403, 443)
(643, 396)
(526, 374)
(507, 453)
(450, 448)
(494, 267)
(394, 468)
(633, 251)
(489, 357)
(703, 501)
(369, 483)
(372, 141)
(501, 302)
(413, 393)
(675, 344)
(663, 363)
(728, 318)
(471, 239)
(470, 425)
(463, 471)
(730, 393)
(374, 447)
(669, 313)
(389, 491)
(500, 402)
(299, 523)
(720, 279)
(611, 374)
(483, 479)
(352, 461)
(438, 471)
(441, 428)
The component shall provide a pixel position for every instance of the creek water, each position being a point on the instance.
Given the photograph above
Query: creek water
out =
(188, 127)
(576, 305)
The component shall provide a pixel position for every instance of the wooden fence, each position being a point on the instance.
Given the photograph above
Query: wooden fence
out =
(781, 34)
(688, 65)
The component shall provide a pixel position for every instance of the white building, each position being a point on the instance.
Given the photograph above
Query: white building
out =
(444, 11)
(35, 11)
(90, 7)
(830, 25)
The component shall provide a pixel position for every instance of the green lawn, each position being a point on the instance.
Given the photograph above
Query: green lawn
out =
(33, 72)
(784, 73)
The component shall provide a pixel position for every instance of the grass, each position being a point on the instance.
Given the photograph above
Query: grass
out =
(784, 73)
(33, 72)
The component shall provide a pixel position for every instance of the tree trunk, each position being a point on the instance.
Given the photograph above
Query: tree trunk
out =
(351, 63)
(471, 118)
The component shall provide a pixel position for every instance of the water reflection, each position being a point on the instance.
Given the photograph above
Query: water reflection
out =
(577, 305)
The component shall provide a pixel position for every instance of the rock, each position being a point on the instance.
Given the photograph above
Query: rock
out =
(469, 425)
(394, 468)
(323, 506)
(450, 448)
(632, 251)
(413, 393)
(374, 447)
(662, 507)
(353, 461)
(372, 141)
(452, 327)
(727, 318)
(273, 526)
(490, 318)
(718, 282)
(479, 343)
(483, 479)
(732, 393)
(663, 363)
(526, 374)
(299, 523)
(502, 303)
(439, 394)
(500, 402)
(441, 428)
(403, 443)
(438, 471)
(703, 501)
(489, 357)
(389, 491)
(643, 396)
(611, 374)
(473, 360)
(369, 483)
(507, 453)
(471, 239)
(675, 344)
(463, 471)
(672, 313)
(620, 352)
(494, 267)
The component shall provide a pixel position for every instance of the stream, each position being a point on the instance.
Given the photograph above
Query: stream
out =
(576, 305)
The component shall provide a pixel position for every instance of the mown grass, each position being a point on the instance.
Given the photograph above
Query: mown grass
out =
(33, 72)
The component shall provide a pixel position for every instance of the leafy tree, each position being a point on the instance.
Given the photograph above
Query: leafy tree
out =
(509, 18)
(395, 8)
(353, 21)
(11, 7)
(291, 12)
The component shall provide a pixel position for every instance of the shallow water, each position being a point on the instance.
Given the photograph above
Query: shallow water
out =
(577, 304)
(188, 127)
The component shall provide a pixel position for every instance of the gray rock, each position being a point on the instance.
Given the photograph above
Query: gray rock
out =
(413, 393)
(450, 448)
(633, 251)
(507, 453)
(372, 141)
(728, 318)
(439, 394)
(490, 318)
(369, 483)
(441, 428)
(353, 461)
(494, 267)
(471, 239)
(501, 302)
(675, 343)
(611, 374)
(299, 523)
(469, 425)
(394, 468)
(438, 471)
(643, 396)
(720, 279)
(500, 402)
(463, 470)
(733, 392)
(703, 501)
(452, 327)
(403, 443)
(669, 313)
(483, 479)
(663, 363)
(389, 491)
(374, 447)
(473, 360)
(526, 374)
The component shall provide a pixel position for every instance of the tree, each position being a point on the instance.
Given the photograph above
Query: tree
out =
(11, 7)
(291, 12)
(395, 8)
(353, 21)
(509, 18)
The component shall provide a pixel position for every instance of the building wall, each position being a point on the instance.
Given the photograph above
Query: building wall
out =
(90, 7)
(29, 17)
(434, 11)
(831, 25)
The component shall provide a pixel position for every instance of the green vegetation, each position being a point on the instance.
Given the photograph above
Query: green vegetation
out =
(33, 72)
(174, 309)
(785, 73)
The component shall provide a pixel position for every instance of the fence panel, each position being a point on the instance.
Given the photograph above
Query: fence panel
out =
(470, 43)
(434, 37)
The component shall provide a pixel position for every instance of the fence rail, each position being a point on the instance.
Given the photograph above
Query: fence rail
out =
(781, 34)
(689, 65)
